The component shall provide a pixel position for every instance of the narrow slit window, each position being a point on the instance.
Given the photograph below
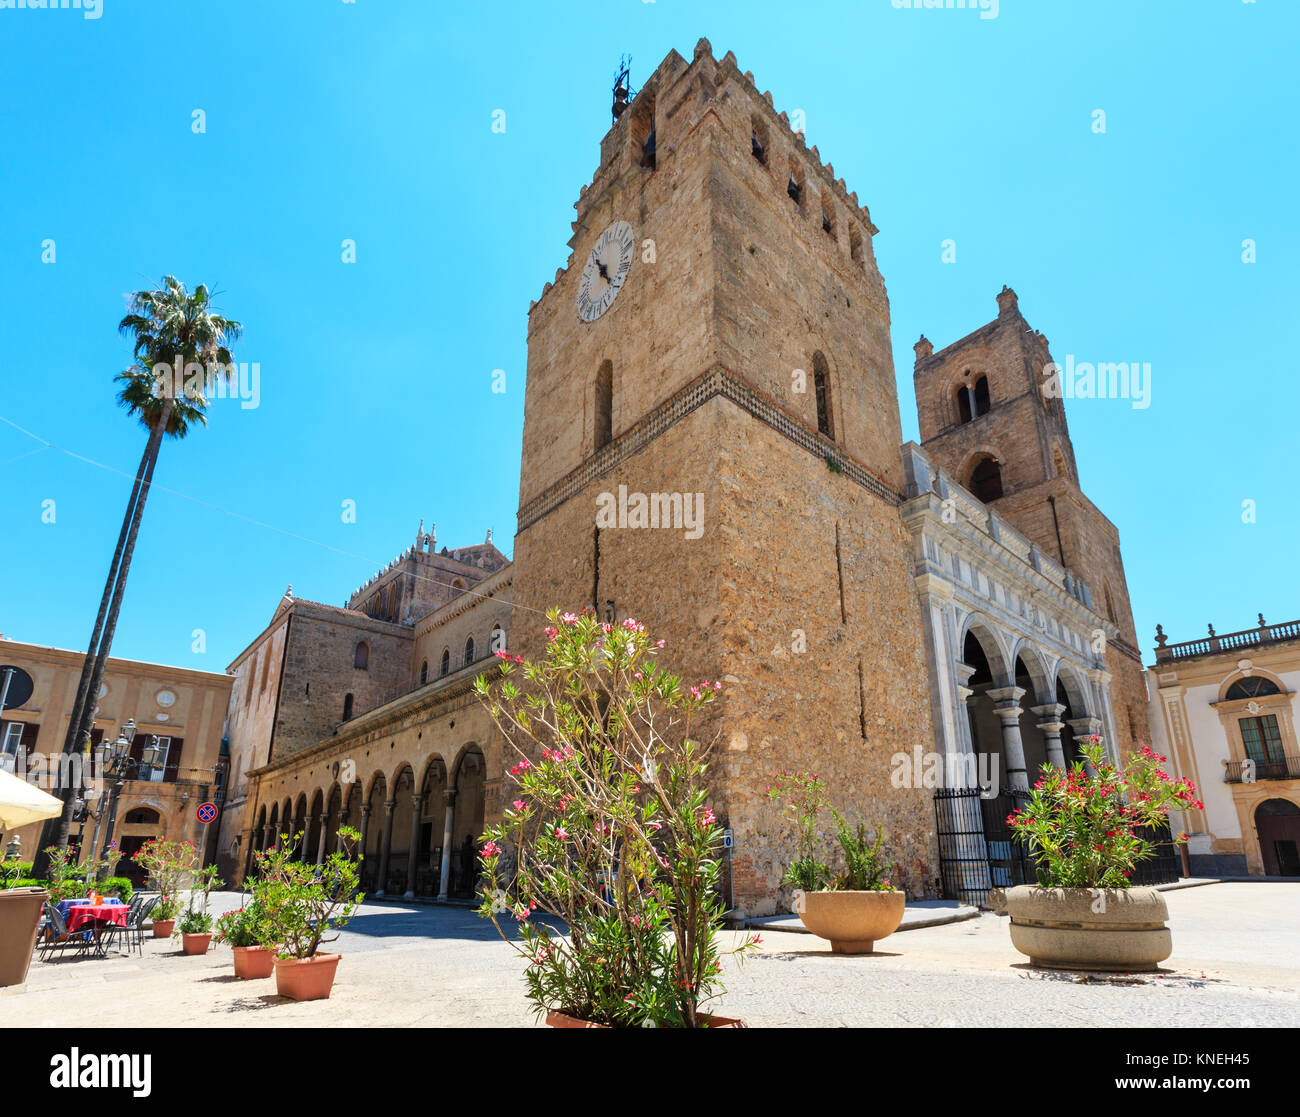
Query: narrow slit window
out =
(822, 390)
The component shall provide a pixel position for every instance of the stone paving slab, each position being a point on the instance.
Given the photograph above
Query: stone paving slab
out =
(1236, 963)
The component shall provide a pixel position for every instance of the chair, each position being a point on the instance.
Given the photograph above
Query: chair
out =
(114, 930)
(137, 924)
(57, 936)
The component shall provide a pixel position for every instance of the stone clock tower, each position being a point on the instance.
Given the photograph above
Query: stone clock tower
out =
(716, 352)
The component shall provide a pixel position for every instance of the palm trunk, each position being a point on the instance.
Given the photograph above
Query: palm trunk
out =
(55, 830)
(110, 625)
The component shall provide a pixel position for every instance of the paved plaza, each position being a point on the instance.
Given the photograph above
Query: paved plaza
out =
(1236, 963)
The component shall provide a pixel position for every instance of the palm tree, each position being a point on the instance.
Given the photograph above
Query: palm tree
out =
(181, 352)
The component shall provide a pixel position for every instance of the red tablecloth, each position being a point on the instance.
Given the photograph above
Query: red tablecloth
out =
(81, 914)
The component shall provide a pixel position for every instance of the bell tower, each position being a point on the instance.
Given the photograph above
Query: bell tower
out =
(986, 419)
(711, 444)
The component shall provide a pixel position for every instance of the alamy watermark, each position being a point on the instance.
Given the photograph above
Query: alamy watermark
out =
(680, 511)
(988, 9)
(200, 383)
(90, 9)
(1130, 380)
(922, 768)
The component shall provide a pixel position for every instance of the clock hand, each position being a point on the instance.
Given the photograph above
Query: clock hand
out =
(601, 268)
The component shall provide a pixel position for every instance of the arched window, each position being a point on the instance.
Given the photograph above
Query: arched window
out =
(1058, 462)
(986, 479)
(469, 650)
(347, 707)
(758, 140)
(973, 400)
(828, 219)
(445, 665)
(643, 129)
(361, 657)
(497, 643)
(424, 672)
(142, 816)
(855, 247)
(605, 404)
(794, 188)
(1252, 686)
(822, 388)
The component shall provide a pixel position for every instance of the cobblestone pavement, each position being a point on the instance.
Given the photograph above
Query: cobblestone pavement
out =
(1236, 963)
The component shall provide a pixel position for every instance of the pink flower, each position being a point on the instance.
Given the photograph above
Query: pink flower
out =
(660, 643)
(562, 834)
(491, 849)
(519, 804)
(500, 653)
(569, 618)
(707, 816)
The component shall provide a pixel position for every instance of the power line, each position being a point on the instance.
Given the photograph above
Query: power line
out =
(46, 444)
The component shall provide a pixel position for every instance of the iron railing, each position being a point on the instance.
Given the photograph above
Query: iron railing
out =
(1248, 771)
(976, 850)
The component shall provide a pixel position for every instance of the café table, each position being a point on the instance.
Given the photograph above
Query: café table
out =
(82, 916)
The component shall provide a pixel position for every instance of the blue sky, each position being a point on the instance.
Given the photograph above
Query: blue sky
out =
(372, 121)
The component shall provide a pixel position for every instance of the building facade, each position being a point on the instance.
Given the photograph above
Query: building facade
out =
(184, 709)
(361, 715)
(1223, 709)
(711, 444)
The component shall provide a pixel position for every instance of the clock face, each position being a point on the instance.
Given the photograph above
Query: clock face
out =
(606, 269)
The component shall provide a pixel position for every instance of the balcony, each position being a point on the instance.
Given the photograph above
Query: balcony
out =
(1258, 637)
(1250, 771)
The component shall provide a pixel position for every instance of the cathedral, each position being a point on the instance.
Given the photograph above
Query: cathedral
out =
(712, 444)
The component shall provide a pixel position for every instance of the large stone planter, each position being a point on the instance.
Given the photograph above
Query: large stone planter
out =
(853, 921)
(1059, 928)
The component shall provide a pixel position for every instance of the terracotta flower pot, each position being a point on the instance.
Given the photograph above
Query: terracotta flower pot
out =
(1090, 928)
(853, 921)
(306, 979)
(560, 1020)
(162, 928)
(254, 962)
(195, 944)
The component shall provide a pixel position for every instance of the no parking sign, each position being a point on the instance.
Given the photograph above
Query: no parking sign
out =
(206, 812)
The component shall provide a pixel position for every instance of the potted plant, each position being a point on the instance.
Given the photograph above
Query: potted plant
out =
(195, 928)
(1081, 825)
(856, 907)
(249, 934)
(169, 865)
(164, 916)
(302, 904)
(608, 830)
(195, 925)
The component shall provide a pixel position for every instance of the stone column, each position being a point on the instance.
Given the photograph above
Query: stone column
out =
(365, 832)
(1051, 726)
(1007, 706)
(320, 842)
(444, 881)
(965, 699)
(386, 848)
(417, 810)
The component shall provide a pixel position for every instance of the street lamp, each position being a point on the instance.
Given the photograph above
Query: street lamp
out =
(120, 765)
